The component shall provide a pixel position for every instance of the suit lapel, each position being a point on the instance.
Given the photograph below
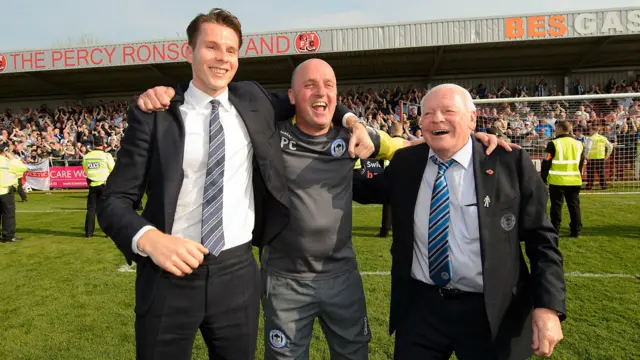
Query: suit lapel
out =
(413, 179)
(484, 168)
(171, 150)
(245, 106)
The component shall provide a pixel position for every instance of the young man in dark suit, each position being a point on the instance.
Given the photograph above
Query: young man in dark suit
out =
(212, 168)
(459, 280)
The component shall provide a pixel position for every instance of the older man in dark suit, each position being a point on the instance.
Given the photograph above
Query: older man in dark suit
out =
(459, 280)
(212, 168)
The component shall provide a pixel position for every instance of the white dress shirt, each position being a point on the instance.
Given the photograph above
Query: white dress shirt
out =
(464, 237)
(238, 202)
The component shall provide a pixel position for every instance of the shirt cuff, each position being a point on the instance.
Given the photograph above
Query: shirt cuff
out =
(134, 243)
(345, 117)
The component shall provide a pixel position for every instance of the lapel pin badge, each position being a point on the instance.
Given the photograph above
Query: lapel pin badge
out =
(486, 201)
(490, 172)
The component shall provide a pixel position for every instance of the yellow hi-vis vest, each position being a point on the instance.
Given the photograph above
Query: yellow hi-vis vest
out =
(17, 168)
(7, 179)
(598, 147)
(565, 165)
(97, 166)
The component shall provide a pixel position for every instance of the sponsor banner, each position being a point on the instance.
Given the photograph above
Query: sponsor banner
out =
(154, 52)
(572, 25)
(68, 177)
(37, 175)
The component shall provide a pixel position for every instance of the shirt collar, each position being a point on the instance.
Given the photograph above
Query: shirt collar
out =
(463, 157)
(198, 99)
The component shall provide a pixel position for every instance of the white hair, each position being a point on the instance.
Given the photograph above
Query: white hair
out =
(467, 100)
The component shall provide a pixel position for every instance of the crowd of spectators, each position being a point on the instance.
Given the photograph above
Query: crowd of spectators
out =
(63, 133)
(67, 132)
(528, 124)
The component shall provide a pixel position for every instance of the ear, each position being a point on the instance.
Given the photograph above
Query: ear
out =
(292, 100)
(189, 54)
(472, 118)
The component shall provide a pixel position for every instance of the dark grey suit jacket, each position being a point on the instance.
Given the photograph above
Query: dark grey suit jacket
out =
(511, 291)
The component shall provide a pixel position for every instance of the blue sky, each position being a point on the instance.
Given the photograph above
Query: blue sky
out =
(38, 24)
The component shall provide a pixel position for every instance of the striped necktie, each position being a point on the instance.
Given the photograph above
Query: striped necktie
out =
(439, 264)
(212, 230)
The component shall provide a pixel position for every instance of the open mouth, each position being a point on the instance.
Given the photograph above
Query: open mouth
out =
(319, 106)
(218, 71)
(440, 132)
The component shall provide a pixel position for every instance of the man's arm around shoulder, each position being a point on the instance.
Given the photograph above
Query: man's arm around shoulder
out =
(378, 189)
(284, 110)
(116, 214)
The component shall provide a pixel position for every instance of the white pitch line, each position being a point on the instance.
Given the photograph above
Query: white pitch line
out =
(48, 211)
(580, 274)
(611, 193)
(127, 268)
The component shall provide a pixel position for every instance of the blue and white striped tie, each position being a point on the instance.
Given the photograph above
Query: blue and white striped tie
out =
(212, 230)
(439, 264)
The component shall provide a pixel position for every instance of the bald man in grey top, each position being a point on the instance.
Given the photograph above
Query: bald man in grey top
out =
(310, 269)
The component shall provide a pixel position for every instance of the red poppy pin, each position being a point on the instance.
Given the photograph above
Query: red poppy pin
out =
(490, 172)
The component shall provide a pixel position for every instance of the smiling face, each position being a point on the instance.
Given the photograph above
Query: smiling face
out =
(214, 58)
(314, 94)
(448, 119)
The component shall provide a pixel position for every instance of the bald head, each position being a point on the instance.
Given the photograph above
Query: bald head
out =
(313, 92)
(311, 65)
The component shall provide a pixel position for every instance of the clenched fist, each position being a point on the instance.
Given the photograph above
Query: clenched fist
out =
(156, 99)
(175, 255)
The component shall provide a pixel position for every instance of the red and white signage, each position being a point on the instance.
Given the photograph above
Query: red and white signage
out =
(37, 175)
(68, 177)
(41, 176)
(308, 42)
(149, 53)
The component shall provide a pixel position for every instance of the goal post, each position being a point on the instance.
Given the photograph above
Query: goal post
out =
(530, 122)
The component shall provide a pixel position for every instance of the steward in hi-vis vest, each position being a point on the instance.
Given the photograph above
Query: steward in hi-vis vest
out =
(97, 165)
(562, 170)
(598, 150)
(9, 167)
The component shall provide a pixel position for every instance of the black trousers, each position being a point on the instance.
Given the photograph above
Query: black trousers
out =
(95, 192)
(595, 167)
(23, 195)
(437, 326)
(572, 195)
(8, 214)
(221, 298)
(385, 225)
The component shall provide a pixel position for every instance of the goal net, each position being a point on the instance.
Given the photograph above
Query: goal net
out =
(530, 123)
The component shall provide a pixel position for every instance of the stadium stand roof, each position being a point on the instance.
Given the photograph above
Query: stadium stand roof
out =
(531, 43)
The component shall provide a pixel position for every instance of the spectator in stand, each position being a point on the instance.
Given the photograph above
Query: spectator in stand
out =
(544, 128)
